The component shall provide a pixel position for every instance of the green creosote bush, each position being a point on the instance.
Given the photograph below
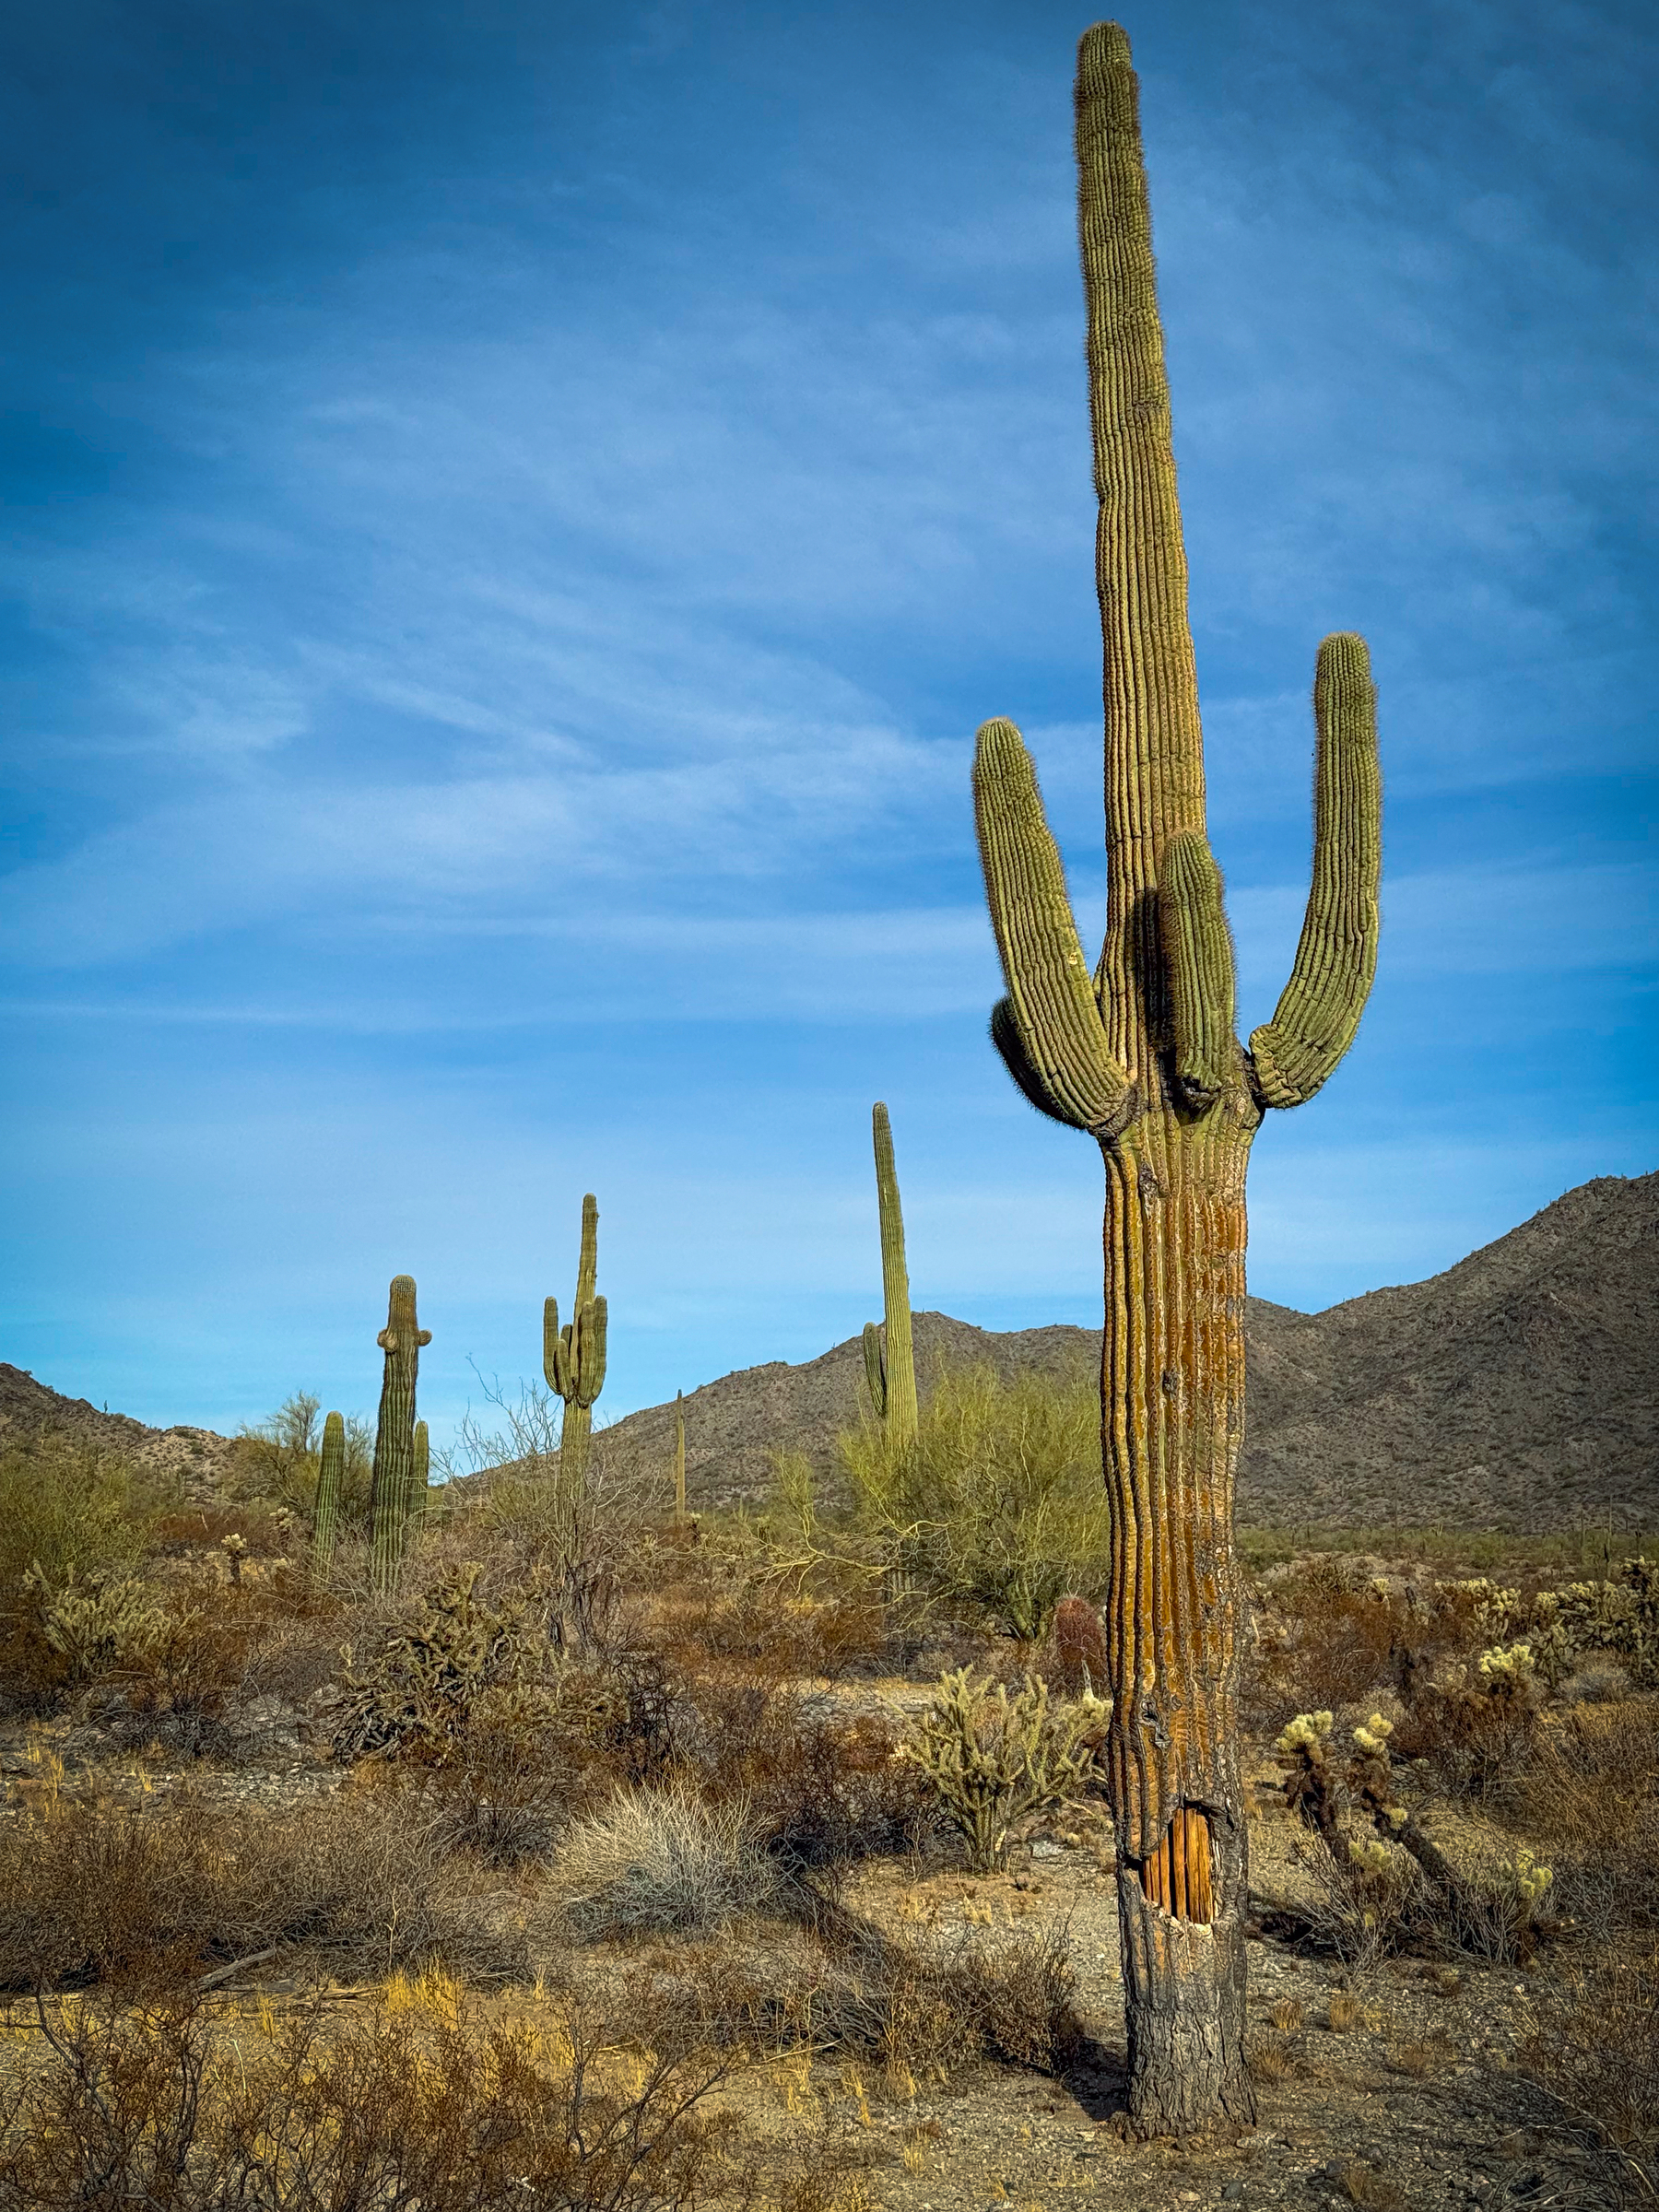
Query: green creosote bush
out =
(997, 1760)
(997, 1506)
(280, 1459)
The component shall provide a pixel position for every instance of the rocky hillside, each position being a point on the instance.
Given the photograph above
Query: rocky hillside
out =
(1520, 1389)
(197, 1457)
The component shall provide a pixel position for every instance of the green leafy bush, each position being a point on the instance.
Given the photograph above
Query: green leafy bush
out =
(997, 1504)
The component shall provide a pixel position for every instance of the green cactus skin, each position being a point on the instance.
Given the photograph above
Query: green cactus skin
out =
(325, 1514)
(401, 1340)
(890, 1356)
(1142, 1053)
(573, 1357)
(420, 1472)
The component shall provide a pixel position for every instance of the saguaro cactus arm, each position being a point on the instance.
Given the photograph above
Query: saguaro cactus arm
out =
(899, 1404)
(876, 1368)
(1320, 1008)
(1198, 965)
(1048, 1028)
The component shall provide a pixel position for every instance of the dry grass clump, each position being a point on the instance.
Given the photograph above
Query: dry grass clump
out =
(97, 1891)
(660, 1861)
(1593, 2049)
(420, 2101)
(844, 1985)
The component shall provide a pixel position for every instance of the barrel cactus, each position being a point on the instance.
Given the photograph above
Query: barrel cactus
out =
(1141, 1053)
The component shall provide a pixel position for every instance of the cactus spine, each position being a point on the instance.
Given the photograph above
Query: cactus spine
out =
(573, 1357)
(1142, 1053)
(889, 1358)
(389, 1493)
(679, 1454)
(331, 1475)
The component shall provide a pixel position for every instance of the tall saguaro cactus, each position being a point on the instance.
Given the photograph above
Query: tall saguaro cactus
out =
(1142, 1055)
(679, 1454)
(890, 1356)
(390, 1488)
(573, 1356)
(325, 1514)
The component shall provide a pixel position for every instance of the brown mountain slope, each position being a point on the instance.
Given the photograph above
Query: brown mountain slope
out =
(1519, 1388)
(197, 1457)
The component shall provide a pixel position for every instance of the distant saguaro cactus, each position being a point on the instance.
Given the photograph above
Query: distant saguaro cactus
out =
(331, 1475)
(420, 1474)
(890, 1357)
(389, 1492)
(573, 1357)
(1142, 1055)
(679, 1454)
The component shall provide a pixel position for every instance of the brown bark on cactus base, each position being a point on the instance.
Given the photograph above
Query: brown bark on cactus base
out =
(1172, 1420)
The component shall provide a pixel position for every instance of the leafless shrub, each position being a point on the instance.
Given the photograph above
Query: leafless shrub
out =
(663, 1860)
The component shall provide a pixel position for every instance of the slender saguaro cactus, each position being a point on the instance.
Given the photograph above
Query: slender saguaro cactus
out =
(890, 1357)
(421, 1474)
(1142, 1056)
(679, 1454)
(401, 1340)
(573, 1357)
(325, 1513)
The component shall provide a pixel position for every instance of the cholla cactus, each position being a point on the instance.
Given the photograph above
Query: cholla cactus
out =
(995, 1759)
(99, 1624)
(573, 1357)
(1505, 1670)
(1139, 1050)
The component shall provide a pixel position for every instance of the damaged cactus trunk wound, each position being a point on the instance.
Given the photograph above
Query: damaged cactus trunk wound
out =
(1143, 1054)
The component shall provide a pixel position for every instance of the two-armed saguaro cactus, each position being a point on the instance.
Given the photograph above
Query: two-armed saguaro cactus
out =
(331, 1476)
(573, 1356)
(392, 1488)
(1142, 1056)
(890, 1357)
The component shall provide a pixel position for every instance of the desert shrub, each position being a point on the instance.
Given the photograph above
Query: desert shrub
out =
(1474, 1727)
(995, 1761)
(768, 1630)
(1368, 1900)
(279, 1459)
(265, 1532)
(1593, 2049)
(96, 1892)
(1075, 1661)
(1327, 1635)
(577, 1537)
(1590, 1797)
(665, 1860)
(74, 1523)
(417, 2102)
(998, 1505)
(822, 1787)
(845, 1986)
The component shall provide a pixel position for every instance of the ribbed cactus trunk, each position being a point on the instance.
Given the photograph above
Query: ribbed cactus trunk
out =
(889, 1354)
(1142, 1056)
(331, 1477)
(401, 1340)
(573, 1358)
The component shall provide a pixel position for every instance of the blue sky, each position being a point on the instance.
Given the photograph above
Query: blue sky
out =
(516, 514)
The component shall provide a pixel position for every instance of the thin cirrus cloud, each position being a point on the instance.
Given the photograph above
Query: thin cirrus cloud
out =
(517, 532)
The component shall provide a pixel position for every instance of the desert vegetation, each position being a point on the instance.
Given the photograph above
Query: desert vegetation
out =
(626, 1857)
